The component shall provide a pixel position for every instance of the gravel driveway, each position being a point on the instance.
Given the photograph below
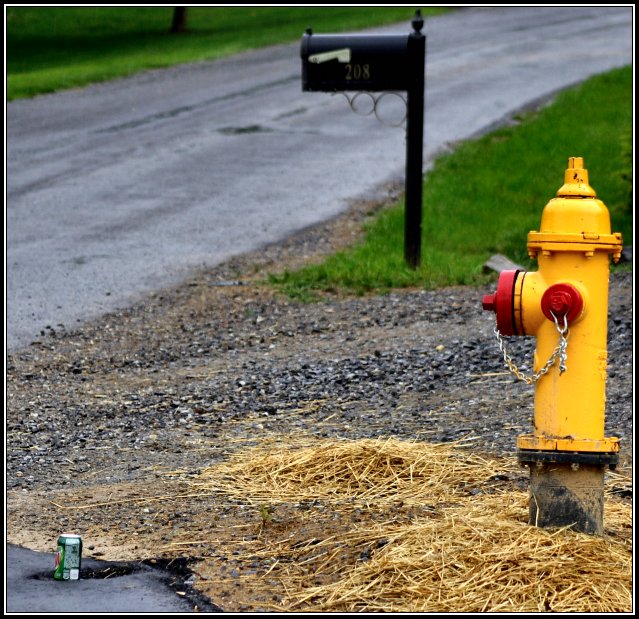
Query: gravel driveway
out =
(222, 362)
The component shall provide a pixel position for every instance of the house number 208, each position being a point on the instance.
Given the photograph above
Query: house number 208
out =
(358, 72)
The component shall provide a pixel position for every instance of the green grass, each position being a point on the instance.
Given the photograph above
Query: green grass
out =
(55, 48)
(485, 197)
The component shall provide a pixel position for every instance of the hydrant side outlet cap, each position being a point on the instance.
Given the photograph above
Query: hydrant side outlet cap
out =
(562, 300)
(503, 302)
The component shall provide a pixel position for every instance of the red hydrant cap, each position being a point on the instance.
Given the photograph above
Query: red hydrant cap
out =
(503, 302)
(562, 300)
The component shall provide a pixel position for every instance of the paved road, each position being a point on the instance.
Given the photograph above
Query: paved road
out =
(105, 587)
(123, 188)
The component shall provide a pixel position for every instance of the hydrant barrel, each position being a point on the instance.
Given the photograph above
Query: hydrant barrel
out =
(570, 406)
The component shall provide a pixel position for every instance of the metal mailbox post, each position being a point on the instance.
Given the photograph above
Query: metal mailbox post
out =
(374, 63)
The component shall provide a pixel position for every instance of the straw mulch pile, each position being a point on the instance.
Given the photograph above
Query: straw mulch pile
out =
(371, 472)
(465, 546)
(480, 556)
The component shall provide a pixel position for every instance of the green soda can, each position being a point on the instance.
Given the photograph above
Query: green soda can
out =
(68, 557)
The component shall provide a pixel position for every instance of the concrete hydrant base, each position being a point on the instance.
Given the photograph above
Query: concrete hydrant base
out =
(564, 494)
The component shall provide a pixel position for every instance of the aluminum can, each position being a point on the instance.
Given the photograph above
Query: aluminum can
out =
(68, 558)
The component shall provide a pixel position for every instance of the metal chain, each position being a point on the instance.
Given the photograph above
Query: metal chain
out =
(559, 353)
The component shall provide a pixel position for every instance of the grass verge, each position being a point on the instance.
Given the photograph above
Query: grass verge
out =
(485, 197)
(55, 48)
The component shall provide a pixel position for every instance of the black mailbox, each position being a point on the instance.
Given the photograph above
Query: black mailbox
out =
(374, 63)
(333, 62)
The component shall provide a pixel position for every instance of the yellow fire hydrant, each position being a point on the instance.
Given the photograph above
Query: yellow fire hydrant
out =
(564, 305)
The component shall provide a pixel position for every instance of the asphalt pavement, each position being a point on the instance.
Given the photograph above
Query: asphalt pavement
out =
(104, 587)
(131, 186)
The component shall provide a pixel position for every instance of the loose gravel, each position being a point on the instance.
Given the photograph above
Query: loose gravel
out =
(222, 362)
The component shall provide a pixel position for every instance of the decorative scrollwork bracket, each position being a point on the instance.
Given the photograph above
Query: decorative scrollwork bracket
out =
(385, 106)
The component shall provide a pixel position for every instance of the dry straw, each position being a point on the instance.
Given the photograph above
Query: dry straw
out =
(369, 471)
(475, 552)
(480, 557)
